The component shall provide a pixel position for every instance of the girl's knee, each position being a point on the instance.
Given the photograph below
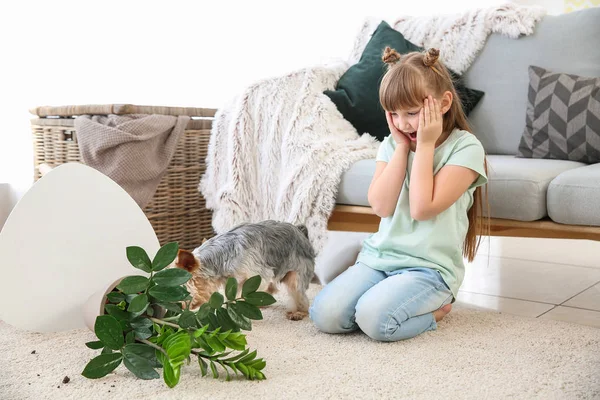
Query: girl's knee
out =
(371, 321)
(329, 317)
(380, 324)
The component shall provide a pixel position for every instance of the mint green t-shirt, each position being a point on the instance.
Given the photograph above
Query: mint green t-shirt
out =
(402, 242)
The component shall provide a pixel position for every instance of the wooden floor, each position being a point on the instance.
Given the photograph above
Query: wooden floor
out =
(363, 219)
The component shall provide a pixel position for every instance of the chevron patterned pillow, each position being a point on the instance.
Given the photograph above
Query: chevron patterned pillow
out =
(563, 117)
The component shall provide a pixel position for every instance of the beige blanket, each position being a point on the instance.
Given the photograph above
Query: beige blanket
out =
(132, 150)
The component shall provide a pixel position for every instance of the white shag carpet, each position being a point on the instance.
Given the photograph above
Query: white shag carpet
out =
(473, 355)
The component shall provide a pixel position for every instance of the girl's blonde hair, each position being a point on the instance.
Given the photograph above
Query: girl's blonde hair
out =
(409, 80)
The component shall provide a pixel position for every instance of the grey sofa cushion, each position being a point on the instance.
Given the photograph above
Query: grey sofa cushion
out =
(354, 185)
(517, 186)
(563, 117)
(567, 43)
(573, 196)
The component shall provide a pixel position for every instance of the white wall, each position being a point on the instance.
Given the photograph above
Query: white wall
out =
(554, 7)
(178, 53)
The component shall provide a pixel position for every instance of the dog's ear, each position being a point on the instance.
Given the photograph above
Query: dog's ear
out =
(186, 260)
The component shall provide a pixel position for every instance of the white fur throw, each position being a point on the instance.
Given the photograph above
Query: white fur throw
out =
(279, 149)
(459, 37)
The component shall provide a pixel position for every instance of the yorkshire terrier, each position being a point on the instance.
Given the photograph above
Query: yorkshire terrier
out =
(279, 252)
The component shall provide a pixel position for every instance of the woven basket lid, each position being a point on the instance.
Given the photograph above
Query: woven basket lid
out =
(119, 109)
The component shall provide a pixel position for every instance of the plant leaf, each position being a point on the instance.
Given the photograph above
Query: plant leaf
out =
(125, 325)
(95, 345)
(224, 335)
(225, 321)
(237, 356)
(231, 288)
(140, 365)
(243, 369)
(251, 285)
(212, 321)
(142, 333)
(168, 294)
(203, 366)
(204, 345)
(187, 319)
(106, 350)
(260, 299)
(257, 364)
(141, 323)
(139, 258)
(165, 256)
(216, 300)
(238, 343)
(215, 343)
(174, 307)
(200, 332)
(213, 368)
(239, 320)
(130, 338)
(116, 312)
(170, 375)
(216, 357)
(215, 332)
(143, 350)
(232, 366)
(138, 304)
(171, 277)
(203, 311)
(248, 357)
(177, 346)
(227, 377)
(133, 284)
(109, 331)
(102, 365)
(248, 310)
(115, 297)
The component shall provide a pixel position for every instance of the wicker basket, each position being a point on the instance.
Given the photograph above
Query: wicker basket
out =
(177, 211)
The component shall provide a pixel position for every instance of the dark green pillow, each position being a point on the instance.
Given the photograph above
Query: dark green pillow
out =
(357, 91)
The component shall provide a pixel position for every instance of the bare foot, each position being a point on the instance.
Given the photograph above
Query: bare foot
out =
(296, 315)
(441, 313)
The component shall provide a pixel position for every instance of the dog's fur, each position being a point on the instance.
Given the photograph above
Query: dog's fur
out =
(277, 251)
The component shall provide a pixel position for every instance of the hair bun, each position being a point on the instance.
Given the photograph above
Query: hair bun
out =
(431, 56)
(390, 56)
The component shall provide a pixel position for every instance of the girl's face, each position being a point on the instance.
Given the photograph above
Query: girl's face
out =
(407, 122)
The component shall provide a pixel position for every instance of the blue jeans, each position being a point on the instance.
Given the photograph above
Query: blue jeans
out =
(387, 306)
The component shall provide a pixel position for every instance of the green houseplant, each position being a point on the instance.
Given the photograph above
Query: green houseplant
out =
(146, 328)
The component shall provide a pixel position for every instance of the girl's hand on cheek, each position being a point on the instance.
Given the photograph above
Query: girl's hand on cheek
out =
(430, 122)
(398, 136)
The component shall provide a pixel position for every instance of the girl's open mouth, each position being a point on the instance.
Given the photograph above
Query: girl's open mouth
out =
(411, 135)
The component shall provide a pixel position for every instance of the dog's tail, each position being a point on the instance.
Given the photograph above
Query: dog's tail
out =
(303, 229)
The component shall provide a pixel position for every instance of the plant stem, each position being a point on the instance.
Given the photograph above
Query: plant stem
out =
(173, 318)
(152, 345)
(150, 279)
(161, 322)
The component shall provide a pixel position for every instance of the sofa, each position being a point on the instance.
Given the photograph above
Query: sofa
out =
(528, 197)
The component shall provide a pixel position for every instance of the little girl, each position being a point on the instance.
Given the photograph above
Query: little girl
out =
(427, 191)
